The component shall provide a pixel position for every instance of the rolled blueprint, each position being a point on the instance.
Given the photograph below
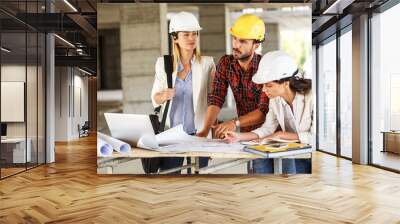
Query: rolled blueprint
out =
(116, 144)
(103, 148)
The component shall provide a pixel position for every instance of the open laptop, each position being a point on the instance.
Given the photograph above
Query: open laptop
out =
(129, 127)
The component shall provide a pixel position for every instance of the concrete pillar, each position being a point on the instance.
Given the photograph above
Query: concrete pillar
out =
(271, 42)
(141, 30)
(212, 37)
(360, 90)
(92, 101)
(50, 92)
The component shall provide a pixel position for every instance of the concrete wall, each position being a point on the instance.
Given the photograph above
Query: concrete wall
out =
(108, 16)
(139, 51)
(33, 127)
(110, 57)
(212, 37)
(271, 42)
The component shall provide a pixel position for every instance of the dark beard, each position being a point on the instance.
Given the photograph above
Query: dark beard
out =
(244, 57)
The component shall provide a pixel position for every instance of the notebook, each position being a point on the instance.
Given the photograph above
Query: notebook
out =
(283, 148)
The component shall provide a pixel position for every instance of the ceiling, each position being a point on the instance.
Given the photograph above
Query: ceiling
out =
(77, 24)
(330, 15)
(74, 21)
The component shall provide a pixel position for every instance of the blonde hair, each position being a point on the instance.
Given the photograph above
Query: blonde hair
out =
(177, 55)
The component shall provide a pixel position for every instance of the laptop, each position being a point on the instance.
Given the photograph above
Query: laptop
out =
(129, 127)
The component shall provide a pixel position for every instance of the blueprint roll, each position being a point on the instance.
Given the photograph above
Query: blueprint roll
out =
(117, 145)
(103, 148)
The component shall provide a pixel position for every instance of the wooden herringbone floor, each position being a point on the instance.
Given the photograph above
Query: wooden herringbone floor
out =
(70, 191)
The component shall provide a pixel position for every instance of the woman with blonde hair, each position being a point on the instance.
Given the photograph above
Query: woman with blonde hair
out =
(191, 77)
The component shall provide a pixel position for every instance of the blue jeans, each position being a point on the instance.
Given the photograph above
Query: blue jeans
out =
(173, 162)
(289, 166)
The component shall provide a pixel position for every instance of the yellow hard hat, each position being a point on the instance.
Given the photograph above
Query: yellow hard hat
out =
(249, 26)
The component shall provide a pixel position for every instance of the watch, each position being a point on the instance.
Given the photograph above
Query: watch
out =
(237, 123)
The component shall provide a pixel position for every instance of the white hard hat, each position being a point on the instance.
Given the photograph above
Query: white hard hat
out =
(184, 21)
(275, 65)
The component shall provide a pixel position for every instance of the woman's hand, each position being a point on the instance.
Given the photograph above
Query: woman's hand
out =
(231, 137)
(202, 133)
(278, 134)
(164, 95)
(284, 135)
(258, 140)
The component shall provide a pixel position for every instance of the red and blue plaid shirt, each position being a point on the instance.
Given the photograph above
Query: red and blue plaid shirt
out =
(248, 95)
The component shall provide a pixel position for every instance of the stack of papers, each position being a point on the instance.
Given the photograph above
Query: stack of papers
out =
(268, 141)
(266, 150)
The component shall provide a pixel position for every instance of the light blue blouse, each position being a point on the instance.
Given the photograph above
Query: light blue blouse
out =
(182, 111)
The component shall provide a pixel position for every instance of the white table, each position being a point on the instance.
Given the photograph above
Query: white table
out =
(236, 158)
(19, 155)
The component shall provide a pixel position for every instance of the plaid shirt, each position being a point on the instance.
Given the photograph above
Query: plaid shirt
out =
(248, 95)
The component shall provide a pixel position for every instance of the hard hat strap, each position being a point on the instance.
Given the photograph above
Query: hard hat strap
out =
(294, 75)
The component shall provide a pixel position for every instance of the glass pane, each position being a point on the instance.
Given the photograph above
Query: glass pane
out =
(31, 85)
(31, 98)
(346, 94)
(13, 87)
(327, 97)
(41, 98)
(386, 89)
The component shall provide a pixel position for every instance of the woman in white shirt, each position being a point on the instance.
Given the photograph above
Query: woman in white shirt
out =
(290, 114)
(190, 82)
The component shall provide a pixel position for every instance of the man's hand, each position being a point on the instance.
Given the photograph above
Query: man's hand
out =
(225, 126)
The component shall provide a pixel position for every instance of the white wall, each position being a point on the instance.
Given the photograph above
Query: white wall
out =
(33, 126)
(61, 103)
(15, 73)
(71, 94)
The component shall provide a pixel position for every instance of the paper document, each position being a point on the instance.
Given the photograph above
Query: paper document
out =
(176, 140)
(103, 148)
(205, 146)
(176, 135)
(147, 142)
(116, 144)
(171, 136)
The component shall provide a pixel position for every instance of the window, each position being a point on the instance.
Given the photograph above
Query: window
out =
(22, 75)
(346, 93)
(327, 96)
(385, 89)
(110, 59)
